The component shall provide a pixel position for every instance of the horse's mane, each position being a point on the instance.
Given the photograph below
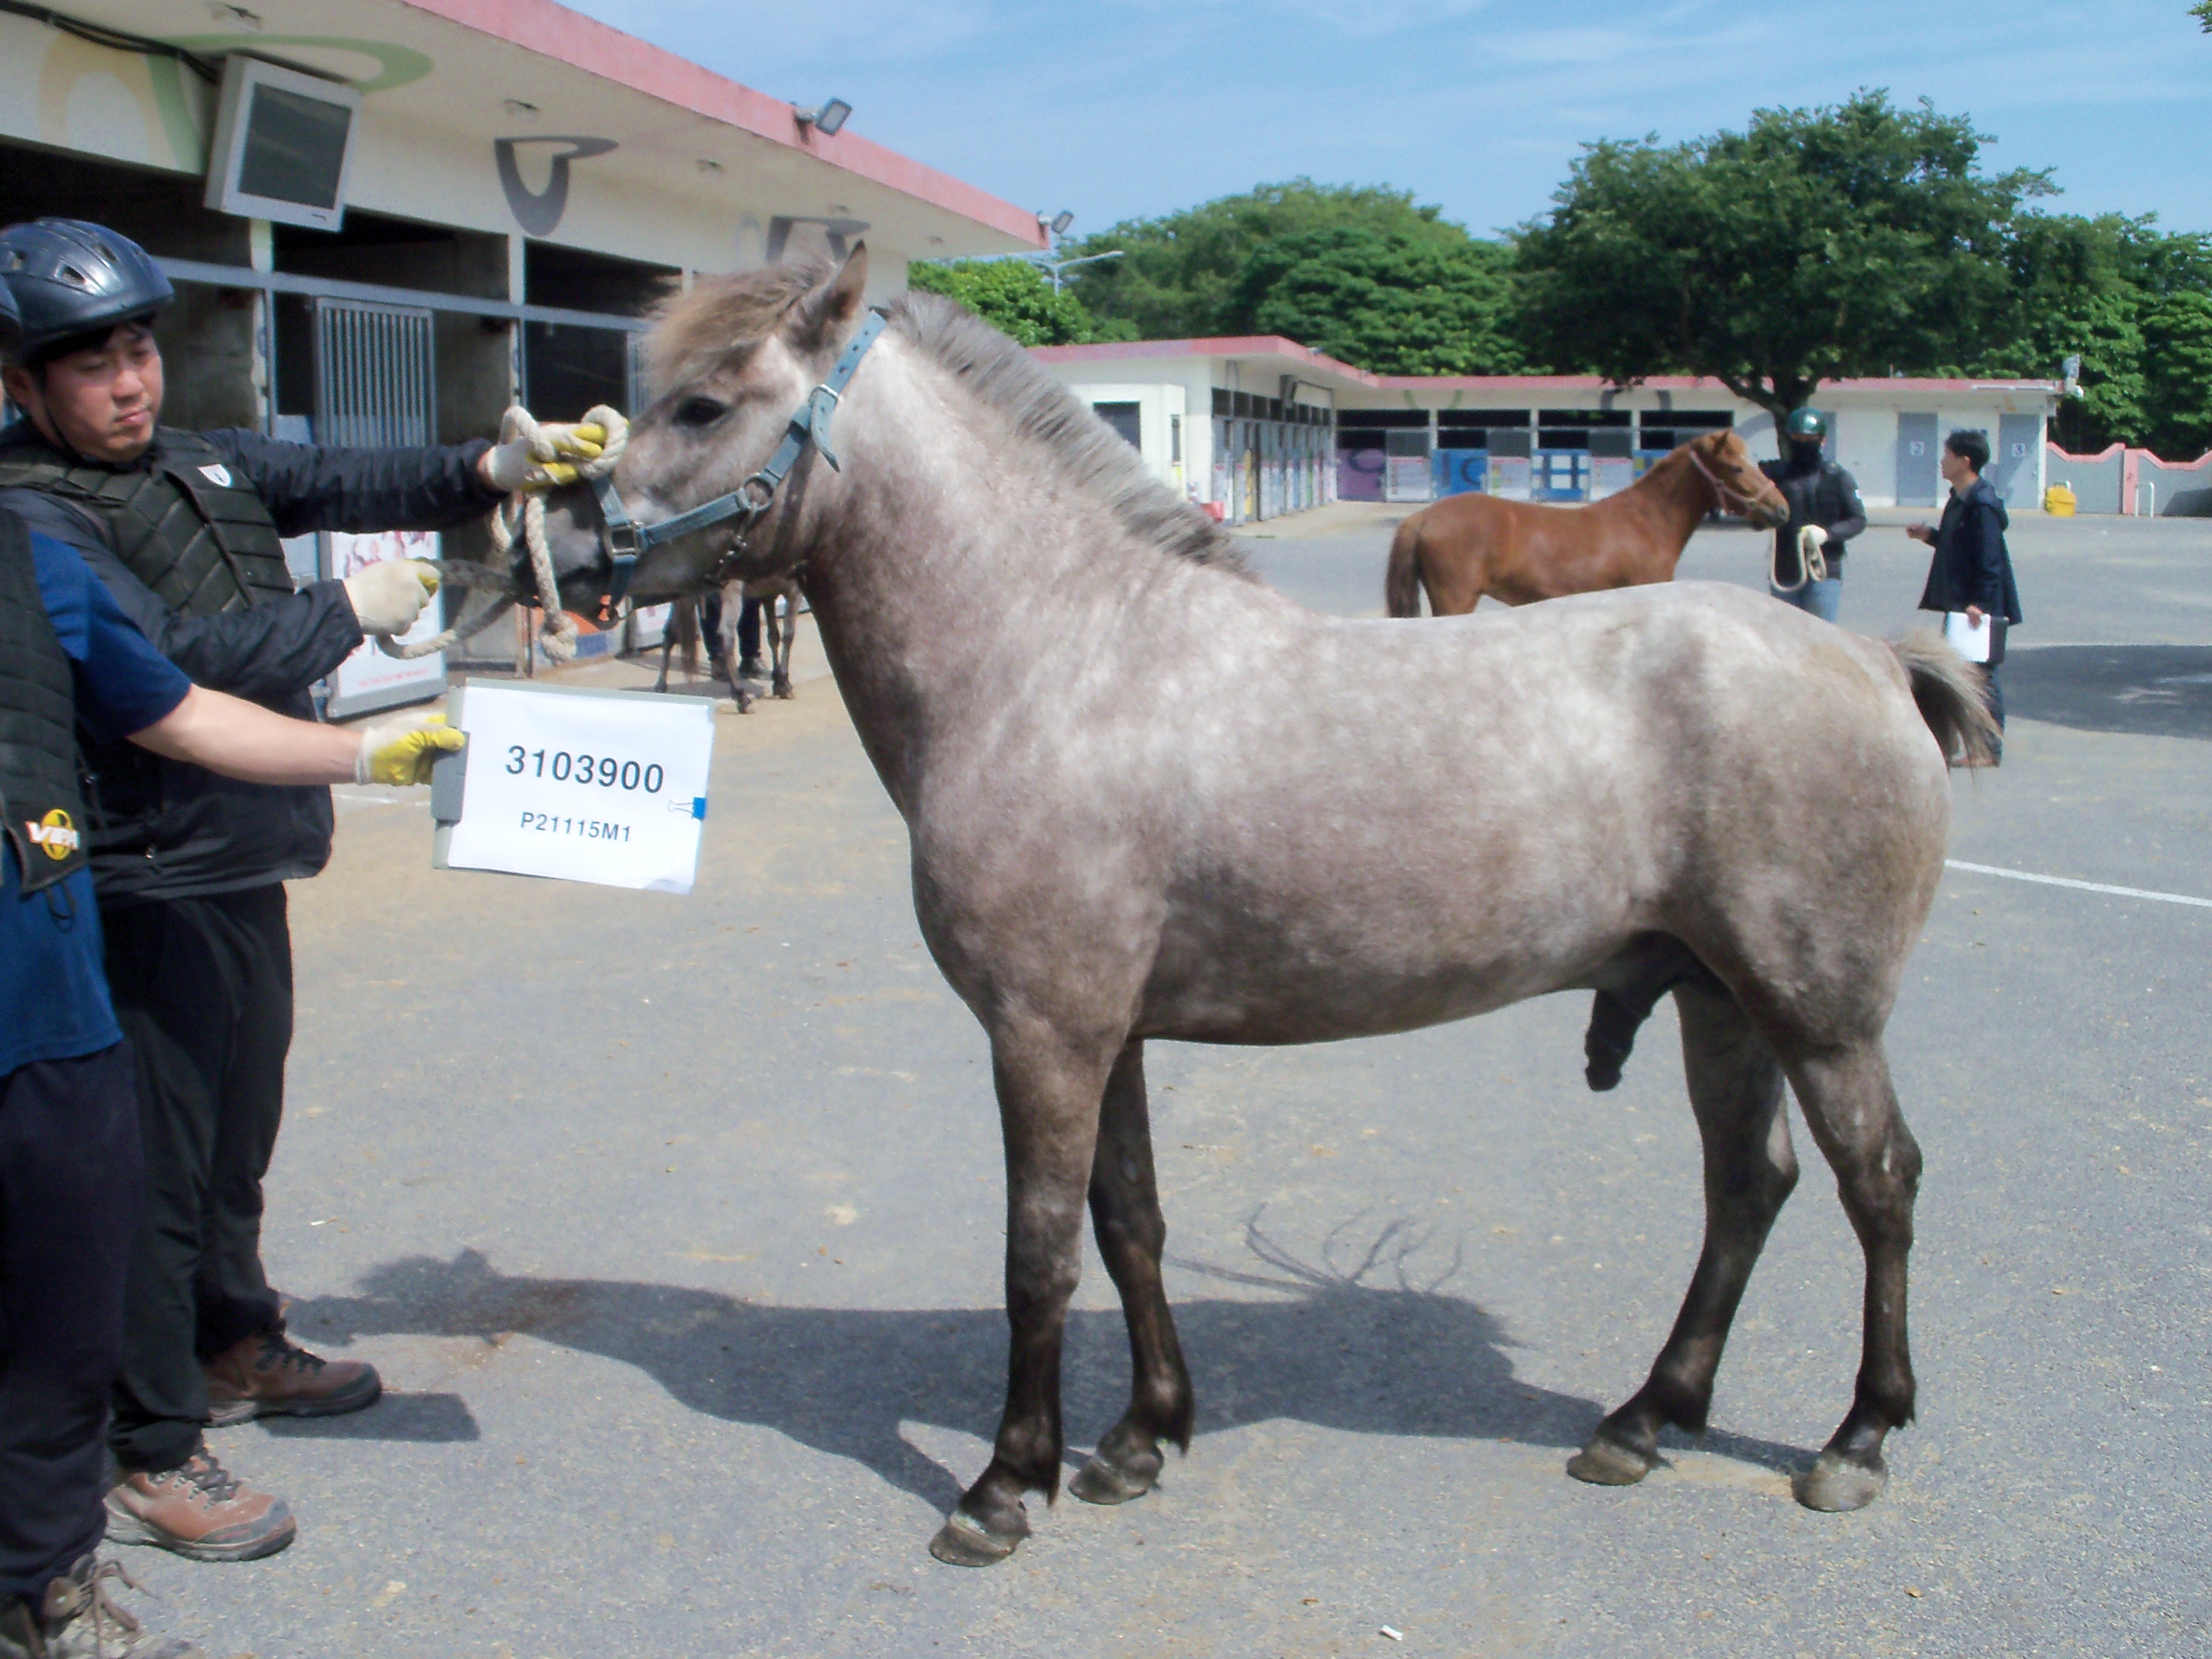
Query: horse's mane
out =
(1003, 376)
(696, 329)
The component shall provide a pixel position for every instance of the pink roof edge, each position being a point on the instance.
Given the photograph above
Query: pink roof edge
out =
(1275, 346)
(551, 30)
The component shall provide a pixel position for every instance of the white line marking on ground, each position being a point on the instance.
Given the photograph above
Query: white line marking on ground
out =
(2068, 881)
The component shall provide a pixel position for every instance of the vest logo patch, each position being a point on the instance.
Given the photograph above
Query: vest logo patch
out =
(56, 834)
(217, 474)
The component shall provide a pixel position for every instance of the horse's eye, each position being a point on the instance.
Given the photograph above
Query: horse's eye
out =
(700, 411)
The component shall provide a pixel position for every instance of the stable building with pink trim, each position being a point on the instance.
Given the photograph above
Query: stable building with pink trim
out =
(1255, 427)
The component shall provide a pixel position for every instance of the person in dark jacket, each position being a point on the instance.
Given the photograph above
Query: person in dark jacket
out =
(72, 1177)
(184, 531)
(1971, 570)
(1825, 512)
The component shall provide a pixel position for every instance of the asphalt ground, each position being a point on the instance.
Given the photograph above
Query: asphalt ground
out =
(674, 1225)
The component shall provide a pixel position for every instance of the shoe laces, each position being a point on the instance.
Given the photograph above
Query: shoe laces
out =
(215, 1483)
(279, 1351)
(84, 1596)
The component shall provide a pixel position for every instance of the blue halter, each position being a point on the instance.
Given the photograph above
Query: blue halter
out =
(626, 541)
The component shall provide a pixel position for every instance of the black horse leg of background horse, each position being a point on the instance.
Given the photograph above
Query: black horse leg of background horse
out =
(677, 614)
(1736, 1091)
(1049, 1093)
(1125, 1212)
(1851, 1107)
(1629, 987)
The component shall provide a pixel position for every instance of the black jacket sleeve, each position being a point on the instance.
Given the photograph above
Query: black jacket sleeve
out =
(1978, 565)
(315, 487)
(268, 652)
(1845, 492)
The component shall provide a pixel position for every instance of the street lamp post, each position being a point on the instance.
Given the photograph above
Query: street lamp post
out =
(1044, 262)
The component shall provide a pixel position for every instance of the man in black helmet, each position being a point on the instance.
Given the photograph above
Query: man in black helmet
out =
(1825, 512)
(184, 531)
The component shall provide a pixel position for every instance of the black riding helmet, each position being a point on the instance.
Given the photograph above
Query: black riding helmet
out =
(72, 283)
(1806, 426)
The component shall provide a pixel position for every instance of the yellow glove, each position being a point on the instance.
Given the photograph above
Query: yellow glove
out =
(550, 461)
(402, 752)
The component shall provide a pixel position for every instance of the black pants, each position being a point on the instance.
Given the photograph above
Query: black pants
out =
(748, 625)
(70, 1185)
(204, 990)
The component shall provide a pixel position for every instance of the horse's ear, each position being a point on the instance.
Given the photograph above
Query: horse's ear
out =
(833, 308)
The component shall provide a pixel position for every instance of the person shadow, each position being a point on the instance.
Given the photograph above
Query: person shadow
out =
(1358, 1346)
(2143, 690)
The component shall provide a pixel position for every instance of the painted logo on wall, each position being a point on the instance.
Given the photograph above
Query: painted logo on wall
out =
(539, 211)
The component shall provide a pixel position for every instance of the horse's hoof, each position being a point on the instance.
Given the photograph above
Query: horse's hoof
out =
(1606, 1462)
(963, 1542)
(1837, 1485)
(1099, 1482)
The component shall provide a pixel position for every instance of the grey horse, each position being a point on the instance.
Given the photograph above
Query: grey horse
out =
(1148, 797)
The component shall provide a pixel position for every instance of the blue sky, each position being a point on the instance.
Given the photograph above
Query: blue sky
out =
(1140, 109)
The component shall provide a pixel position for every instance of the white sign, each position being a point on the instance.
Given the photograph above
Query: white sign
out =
(1969, 638)
(604, 787)
(372, 677)
(1610, 475)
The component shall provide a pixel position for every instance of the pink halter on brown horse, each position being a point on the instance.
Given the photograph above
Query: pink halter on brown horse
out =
(1466, 546)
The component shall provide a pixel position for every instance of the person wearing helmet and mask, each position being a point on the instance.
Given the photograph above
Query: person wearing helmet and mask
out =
(72, 1177)
(184, 530)
(1825, 512)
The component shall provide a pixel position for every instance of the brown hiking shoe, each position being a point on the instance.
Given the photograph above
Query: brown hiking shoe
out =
(268, 1375)
(80, 1620)
(200, 1511)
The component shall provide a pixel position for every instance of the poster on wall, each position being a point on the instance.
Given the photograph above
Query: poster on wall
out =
(1610, 475)
(1509, 477)
(370, 678)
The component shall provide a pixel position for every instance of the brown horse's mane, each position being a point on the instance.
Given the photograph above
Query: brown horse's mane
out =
(718, 315)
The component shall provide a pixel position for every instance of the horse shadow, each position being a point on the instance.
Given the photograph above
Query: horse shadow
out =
(2141, 691)
(1328, 1348)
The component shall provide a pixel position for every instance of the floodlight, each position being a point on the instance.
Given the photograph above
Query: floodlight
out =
(1061, 220)
(827, 119)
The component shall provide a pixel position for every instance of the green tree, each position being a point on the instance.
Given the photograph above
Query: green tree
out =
(1389, 302)
(2075, 293)
(1015, 297)
(1360, 271)
(2134, 303)
(1816, 245)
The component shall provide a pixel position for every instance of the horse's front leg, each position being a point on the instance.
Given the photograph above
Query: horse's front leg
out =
(1736, 1089)
(1124, 1212)
(1048, 1104)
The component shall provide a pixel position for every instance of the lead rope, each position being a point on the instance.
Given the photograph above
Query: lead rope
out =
(524, 513)
(1812, 563)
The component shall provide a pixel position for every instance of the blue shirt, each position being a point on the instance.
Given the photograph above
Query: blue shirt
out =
(53, 989)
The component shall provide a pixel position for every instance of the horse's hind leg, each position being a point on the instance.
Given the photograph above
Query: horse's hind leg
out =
(1048, 1106)
(1125, 1210)
(1736, 1091)
(1851, 1109)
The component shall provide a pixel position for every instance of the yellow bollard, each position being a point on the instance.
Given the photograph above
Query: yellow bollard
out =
(2058, 501)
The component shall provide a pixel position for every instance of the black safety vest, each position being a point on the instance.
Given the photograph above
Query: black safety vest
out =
(178, 519)
(43, 808)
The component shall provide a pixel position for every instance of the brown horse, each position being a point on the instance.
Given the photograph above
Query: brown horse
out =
(1466, 546)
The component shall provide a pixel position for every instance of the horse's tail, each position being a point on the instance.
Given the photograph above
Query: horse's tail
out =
(1402, 582)
(1952, 697)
